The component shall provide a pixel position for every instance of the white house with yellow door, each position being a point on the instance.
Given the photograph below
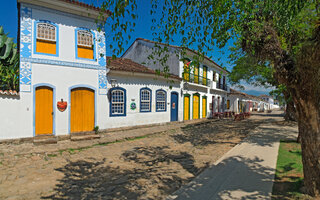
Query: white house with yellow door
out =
(204, 87)
(63, 84)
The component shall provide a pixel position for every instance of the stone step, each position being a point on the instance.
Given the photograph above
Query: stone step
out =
(45, 140)
(84, 137)
(82, 133)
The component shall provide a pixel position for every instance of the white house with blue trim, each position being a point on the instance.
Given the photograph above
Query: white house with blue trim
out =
(62, 61)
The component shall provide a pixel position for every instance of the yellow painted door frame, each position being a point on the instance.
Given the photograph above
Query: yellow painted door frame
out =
(204, 107)
(44, 113)
(196, 106)
(186, 107)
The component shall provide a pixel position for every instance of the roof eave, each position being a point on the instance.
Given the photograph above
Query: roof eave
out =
(66, 7)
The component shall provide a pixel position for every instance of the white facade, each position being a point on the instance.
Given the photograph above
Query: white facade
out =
(61, 71)
(133, 83)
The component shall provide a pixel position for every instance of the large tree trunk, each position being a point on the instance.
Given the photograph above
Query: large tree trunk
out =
(290, 114)
(300, 73)
(309, 129)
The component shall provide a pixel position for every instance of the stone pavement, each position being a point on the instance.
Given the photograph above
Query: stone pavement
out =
(246, 172)
(16, 147)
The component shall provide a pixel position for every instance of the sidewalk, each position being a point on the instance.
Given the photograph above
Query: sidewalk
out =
(245, 172)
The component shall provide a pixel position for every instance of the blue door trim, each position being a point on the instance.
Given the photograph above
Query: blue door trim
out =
(174, 113)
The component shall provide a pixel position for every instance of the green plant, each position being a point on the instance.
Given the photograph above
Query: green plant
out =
(9, 63)
(96, 129)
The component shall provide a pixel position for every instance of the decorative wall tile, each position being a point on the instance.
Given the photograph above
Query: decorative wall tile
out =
(101, 49)
(25, 32)
(102, 82)
(25, 48)
(25, 76)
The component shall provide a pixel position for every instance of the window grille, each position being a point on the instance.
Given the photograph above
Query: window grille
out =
(145, 100)
(85, 38)
(117, 102)
(46, 31)
(161, 101)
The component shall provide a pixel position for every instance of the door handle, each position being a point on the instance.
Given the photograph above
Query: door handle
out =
(52, 113)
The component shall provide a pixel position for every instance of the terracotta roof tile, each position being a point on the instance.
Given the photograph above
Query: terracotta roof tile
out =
(127, 65)
(9, 92)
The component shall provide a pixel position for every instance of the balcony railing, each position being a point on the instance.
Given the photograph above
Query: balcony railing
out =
(222, 86)
(194, 78)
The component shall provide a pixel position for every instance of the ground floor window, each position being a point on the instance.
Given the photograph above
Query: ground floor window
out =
(161, 100)
(118, 102)
(145, 100)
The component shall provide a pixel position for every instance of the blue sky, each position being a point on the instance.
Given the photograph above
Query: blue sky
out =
(9, 20)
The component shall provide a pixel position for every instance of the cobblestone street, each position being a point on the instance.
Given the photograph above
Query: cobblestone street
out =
(153, 163)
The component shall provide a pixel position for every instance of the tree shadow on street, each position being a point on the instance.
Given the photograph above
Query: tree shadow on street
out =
(215, 132)
(96, 180)
(92, 180)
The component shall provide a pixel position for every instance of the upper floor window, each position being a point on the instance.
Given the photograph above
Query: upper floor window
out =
(85, 47)
(145, 100)
(161, 100)
(46, 38)
(204, 78)
(118, 102)
(186, 69)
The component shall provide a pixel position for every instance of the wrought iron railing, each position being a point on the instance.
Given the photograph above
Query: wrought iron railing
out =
(195, 78)
(222, 86)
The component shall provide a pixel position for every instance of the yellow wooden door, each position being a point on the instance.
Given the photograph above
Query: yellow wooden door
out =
(204, 107)
(186, 107)
(82, 110)
(195, 111)
(43, 111)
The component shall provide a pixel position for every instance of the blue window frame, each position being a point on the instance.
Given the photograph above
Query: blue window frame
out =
(145, 100)
(118, 102)
(84, 42)
(161, 101)
(49, 32)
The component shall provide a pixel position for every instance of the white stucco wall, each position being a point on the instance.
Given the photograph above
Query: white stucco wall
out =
(132, 83)
(15, 116)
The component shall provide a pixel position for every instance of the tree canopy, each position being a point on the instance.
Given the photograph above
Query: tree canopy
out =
(274, 39)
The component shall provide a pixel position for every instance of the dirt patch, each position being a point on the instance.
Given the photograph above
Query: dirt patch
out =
(146, 168)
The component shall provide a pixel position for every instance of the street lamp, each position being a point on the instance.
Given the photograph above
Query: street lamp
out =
(113, 82)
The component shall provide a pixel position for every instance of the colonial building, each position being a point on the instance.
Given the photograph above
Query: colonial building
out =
(137, 95)
(62, 62)
(203, 89)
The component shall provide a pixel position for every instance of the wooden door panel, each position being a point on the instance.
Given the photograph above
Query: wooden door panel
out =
(204, 107)
(195, 107)
(82, 110)
(186, 107)
(43, 111)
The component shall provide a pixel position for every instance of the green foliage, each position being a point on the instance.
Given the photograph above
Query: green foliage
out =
(9, 63)
(96, 129)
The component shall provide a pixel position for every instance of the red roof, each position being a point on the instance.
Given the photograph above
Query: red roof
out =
(9, 92)
(127, 65)
(76, 2)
